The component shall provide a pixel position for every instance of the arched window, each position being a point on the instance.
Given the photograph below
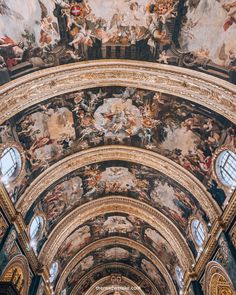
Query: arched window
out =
(53, 271)
(226, 168)
(63, 292)
(36, 228)
(180, 276)
(198, 232)
(10, 164)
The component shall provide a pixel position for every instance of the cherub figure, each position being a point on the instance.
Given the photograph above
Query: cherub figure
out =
(231, 19)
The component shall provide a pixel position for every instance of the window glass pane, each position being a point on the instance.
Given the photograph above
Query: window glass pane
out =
(226, 168)
(10, 161)
(180, 276)
(53, 271)
(198, 232)
(36, 227)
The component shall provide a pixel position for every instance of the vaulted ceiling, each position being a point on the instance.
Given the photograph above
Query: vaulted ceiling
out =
(118, 157)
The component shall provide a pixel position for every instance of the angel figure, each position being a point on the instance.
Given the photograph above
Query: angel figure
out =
(11, 51)
(82, 36)
(231, 19)
(165, 17)
(48, 29)
(163, 57)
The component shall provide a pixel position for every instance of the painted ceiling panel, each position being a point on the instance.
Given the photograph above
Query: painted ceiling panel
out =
(180, 130)
(119, 254)
(119, 178)
(36, 34)
(117, 225)
(117, 268)
(42, 33)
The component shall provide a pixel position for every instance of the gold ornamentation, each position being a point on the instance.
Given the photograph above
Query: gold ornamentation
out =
(116, 265)
(233, 236)
(217, 281)
(117, 241)
(123, 153)
(116, 204)
(203, 89)
(18, 266)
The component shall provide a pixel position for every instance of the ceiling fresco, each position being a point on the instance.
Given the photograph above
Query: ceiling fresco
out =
(118, 178)
(115, 268)
(121, 225)
(42, 33)
(182, 131)
(118, 254)
(63, 228)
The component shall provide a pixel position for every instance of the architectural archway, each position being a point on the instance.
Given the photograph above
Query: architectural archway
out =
(17, 272)
(217, 281)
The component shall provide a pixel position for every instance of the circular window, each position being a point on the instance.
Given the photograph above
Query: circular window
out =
(53, 271)
(180, 276)
(10, 164)
(198, 232)
(36, 227)
(226, 168)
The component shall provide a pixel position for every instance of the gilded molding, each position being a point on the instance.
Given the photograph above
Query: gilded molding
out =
(213, 93)
(116, 204)
(21, 262)
(206, 255)
(217, 281)
(18, 221)
(230, 210)
(118, 265)
(7, 204)
(124, 153)
(116, 241)
(219, 225)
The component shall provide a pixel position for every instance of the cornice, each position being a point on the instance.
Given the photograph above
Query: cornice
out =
(124, 153)
(213, 93)
(230, 211)
(116, 241)
(116, 265)
(7, 204)
(116, 204)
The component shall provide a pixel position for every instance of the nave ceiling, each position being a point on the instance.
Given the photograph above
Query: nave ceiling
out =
(46, 33)
(118, 115)
(115, 175)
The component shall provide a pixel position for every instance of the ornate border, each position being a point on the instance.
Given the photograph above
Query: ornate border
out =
(213, 268)
(22, 263)
(122, 205)
(123, 153)
(117, 241)
(213, 93)
(119, 265)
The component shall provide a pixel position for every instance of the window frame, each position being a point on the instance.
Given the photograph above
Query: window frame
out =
(223, 174)
(12, 172)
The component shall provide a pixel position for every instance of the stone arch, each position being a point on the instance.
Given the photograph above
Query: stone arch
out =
(203, 89)
(123, 153)
(117, 204)
(217, 281)
(17, 272)
(119, 266)
(117, 241)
